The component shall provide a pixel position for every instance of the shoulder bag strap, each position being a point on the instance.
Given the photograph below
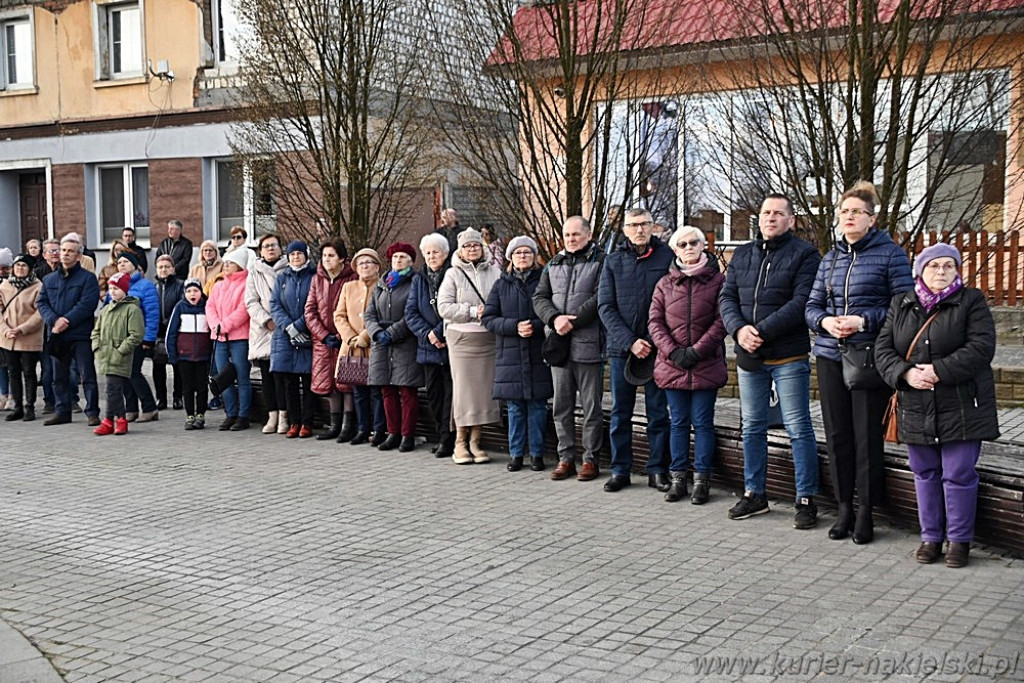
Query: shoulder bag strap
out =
(477, 291)
(913, 344)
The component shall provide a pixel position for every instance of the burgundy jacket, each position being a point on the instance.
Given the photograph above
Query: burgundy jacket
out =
(684, 312)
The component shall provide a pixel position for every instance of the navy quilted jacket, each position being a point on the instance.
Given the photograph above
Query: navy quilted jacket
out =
(627, 287)
(767, 285)
(862, 278)
(519, 369)
(422, 318)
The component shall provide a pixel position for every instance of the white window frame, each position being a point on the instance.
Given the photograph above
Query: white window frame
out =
(103, 39)
(129, 201)
(250, 219)
(6, 83)
(227, 45)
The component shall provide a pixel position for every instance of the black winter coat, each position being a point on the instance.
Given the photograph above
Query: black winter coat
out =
(519, 369)
(960, 343)
(627, 286)
(169, 292)
(767, 285)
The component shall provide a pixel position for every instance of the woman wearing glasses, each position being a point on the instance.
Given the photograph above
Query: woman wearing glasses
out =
(688, 331)
(947, 396)
(460, 302)
(237, 239)
(521, 377)
(856, 281)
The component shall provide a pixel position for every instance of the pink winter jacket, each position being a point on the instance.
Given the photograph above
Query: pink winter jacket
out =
(226, 312)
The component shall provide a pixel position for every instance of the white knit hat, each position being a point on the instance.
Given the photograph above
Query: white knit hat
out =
(239, 256)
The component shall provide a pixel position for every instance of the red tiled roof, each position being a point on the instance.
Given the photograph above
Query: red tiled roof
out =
(666, 24)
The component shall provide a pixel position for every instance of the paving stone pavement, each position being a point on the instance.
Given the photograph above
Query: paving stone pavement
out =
(208, 556)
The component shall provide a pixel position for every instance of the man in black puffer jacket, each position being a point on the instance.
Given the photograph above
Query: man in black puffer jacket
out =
(624, 303)
(762, 305)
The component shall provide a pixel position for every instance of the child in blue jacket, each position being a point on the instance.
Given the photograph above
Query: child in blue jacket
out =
(189, 349)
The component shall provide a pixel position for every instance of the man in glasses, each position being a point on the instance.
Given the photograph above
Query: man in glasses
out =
(128, 237)
(178, 247)
(762, 303)
(624, 300)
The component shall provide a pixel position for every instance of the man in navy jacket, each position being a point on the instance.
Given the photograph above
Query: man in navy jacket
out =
(762, 304)
(67, 303)
(624, 301)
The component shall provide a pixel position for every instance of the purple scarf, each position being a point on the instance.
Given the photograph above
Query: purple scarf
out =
(930, 299)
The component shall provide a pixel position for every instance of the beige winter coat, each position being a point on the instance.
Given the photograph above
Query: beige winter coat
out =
(465, 286)
(18, 311)
(348, 316)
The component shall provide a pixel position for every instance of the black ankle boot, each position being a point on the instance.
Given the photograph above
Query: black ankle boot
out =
(515, 464)
(332, 431)
(701, 488)
(17, 414)
(446, 448)
(408, 444)
(677, 489)
(360, 438)
(659, 481)
(841, 529)
(537, 463)
(377, 438)
(348, 427)
(390, 443)
(30, 414)
(864, 527)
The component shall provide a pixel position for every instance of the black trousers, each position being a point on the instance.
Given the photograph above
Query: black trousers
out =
(299, 398)
(270, 383)
(195, 390)
(21, 366)
(117, 386)
(854, 433)
(160, 382)
(439, 398)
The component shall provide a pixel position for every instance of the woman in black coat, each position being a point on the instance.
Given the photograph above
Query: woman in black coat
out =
(520, 375)
(947, 398)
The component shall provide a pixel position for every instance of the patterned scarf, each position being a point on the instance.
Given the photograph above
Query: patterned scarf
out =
(22, 282)
(930, 299)
(397, 277)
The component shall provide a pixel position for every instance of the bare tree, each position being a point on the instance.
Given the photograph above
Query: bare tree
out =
(912, 94)
(328, 92)
(537, 123)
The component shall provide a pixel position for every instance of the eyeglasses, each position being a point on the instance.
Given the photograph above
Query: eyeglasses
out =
(937, 267)
(270, 245)
(472, 245)
(522, 252)
(641, 224)
(682, 244)
(238, 237)
(856, 213)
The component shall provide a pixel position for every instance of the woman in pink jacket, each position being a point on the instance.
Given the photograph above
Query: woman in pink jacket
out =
(228, 319)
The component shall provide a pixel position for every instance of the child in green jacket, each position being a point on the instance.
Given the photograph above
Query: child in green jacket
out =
(119, 329)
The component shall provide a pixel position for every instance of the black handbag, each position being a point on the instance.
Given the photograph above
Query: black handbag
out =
(859, 371)
(556, 348)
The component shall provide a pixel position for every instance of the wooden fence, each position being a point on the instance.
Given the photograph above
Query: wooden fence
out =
(992, 261)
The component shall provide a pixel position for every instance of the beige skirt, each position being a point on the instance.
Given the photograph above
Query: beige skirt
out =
(471, 355)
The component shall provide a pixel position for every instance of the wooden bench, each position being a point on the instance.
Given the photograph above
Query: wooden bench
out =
(1000, 520)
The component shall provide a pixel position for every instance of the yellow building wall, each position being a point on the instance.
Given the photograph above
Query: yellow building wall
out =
(65, 67)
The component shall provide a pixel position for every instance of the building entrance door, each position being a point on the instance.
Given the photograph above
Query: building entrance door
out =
(32, 190)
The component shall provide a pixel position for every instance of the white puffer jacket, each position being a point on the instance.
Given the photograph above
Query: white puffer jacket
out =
(258, 289)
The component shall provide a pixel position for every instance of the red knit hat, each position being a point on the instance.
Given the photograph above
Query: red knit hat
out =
(400, 247)
(120, 280)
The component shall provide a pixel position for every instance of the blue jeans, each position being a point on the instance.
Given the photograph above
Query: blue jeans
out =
(696, 408)
(527, 421)
(793, 384)
(236, 401)
(620, 431)
(46, 376)
(81, 354)
(369, 405)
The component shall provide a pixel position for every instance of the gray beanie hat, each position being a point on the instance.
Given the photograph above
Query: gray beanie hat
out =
(521, 241)
(469, 235)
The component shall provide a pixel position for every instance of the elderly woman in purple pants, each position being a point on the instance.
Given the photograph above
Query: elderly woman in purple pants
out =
(936, 350)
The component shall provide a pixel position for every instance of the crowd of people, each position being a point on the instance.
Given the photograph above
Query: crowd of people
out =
(482, 323)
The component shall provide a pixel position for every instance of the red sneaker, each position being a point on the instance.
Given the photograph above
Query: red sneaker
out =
(121, 427)
(106, 427)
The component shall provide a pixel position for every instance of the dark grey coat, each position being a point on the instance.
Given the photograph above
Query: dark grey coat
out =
(394, 364)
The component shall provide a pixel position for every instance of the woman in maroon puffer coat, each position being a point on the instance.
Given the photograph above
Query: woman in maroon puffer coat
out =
(687, 330)
(332, 272)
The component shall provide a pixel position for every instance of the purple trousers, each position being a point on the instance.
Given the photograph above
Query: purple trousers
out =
(946, 482)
